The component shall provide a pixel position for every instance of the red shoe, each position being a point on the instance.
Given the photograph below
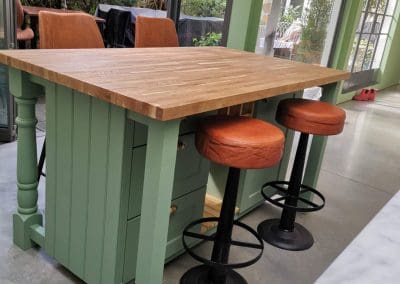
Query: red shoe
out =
(372, 94)
(362, 96)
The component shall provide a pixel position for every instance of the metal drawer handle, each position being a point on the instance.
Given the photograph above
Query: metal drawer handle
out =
(181, 145)
(172, 210)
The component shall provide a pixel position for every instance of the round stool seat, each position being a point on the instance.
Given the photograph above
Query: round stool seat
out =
(240, 142)
(312, 117)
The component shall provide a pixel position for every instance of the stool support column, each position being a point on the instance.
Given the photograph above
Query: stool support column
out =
(223, 237)
(289, 215)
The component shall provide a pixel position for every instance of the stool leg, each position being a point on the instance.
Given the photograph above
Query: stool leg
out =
(41, 160)
(289, 215)
(285, 233)
(212, 275)
(223, 236)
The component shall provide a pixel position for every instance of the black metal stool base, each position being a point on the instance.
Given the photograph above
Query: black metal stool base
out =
(299, 239)
(210, 263)
(200, 275)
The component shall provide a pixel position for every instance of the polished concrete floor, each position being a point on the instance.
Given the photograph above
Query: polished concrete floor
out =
(360, 173)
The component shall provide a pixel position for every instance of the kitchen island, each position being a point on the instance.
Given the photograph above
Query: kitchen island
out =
(123, 176)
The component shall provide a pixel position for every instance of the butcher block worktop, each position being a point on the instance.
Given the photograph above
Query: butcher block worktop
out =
(148, 82)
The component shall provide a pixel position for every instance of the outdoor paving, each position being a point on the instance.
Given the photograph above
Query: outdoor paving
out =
(359, 175)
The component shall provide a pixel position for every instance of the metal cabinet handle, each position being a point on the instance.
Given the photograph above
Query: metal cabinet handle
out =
(172, 210)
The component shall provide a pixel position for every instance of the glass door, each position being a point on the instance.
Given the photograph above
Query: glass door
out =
(369, 43)
(7, 40)
(300, 30)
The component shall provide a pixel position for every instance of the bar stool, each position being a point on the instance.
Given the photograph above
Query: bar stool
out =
(239, 143)
(308, 117)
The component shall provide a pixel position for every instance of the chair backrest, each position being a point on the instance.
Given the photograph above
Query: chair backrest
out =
(20, 13)
(155, 32)
(68, 30)
(118, 32)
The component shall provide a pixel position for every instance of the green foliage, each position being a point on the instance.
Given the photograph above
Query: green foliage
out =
(210, 39)
(204, 8)
(313, 36)
(375, 4)
(290, 15)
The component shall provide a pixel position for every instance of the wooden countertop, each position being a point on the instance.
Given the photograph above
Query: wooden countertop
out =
(33, 11)
(169, 83)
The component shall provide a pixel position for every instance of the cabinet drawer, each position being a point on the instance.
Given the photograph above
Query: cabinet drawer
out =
(187, 209)
(191, 172)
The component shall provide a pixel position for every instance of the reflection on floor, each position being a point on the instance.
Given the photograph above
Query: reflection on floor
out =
(359, 175)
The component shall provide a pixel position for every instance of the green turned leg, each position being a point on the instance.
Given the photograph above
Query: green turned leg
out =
(27, 213)
(162, 141)
(318, 145)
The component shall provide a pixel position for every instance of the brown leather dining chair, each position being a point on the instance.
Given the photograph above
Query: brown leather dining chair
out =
(26, 34)
(66, 30)
(155, 32)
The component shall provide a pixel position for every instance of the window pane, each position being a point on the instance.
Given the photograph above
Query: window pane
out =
(295, 30)
(372, 5)
(369, 53)
(381, 6)
(353, 52)
(378, 24)
(358, 64)
(379, 51)
(365, 2)
(386, 25)
(360, 23)
(201, 22)
(4, 95)
(369, 22)
(391, 7)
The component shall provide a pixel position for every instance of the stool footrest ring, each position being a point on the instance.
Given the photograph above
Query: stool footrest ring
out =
(257, 246)
(283, 194)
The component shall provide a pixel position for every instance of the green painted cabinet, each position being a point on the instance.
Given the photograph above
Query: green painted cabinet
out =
(92, 214)
(191, 172)
(188, 208)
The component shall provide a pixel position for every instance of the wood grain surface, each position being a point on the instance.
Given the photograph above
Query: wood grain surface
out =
(170, 83)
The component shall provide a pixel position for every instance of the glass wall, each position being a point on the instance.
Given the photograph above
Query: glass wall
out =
(300, 30)
(297, 29)
(371, 35)
(369, 43)
(201, 22)
(3, 96)
(6, 41)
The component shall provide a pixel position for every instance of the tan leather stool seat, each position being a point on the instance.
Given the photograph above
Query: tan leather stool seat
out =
(312, 117)
(240, 142)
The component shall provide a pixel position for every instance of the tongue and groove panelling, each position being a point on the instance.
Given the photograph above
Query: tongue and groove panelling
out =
(84, 202)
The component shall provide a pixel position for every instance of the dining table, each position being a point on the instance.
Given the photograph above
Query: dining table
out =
(116, 124)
